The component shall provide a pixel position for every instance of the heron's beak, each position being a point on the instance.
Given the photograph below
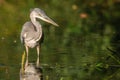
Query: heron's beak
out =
(47, 19)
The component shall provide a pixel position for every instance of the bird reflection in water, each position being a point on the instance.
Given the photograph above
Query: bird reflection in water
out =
(31, 72)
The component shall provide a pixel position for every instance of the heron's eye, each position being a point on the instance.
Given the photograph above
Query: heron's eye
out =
(39, 14)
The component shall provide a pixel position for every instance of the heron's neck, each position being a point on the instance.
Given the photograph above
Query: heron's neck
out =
(37, 26)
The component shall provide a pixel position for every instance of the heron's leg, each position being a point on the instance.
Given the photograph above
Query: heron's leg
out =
(26, 63)
(38, 53)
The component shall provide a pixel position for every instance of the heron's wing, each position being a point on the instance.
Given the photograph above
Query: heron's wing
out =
(28, 32)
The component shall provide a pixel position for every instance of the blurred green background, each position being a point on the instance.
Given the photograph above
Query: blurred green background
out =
(86, 46)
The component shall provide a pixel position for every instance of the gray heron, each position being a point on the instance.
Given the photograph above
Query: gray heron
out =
(31, 34)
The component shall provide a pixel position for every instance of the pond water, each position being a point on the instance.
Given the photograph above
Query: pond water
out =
(56, 63)
(75, 60)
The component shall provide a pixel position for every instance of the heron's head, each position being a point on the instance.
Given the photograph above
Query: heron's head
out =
(38, 13)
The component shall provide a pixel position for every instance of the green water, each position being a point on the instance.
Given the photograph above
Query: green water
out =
(73, 61)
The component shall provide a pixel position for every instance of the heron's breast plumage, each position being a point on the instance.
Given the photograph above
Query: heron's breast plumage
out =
(29, 35)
